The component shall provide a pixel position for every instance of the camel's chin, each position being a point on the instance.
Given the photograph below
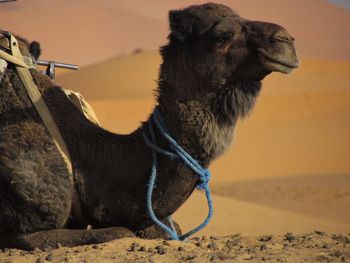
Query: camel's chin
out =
(277, 64)
(277, 67)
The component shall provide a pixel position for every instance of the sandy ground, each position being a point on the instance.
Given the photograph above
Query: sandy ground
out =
(312, 247)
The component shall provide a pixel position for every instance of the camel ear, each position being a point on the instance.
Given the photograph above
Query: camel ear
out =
(35, 49)
(181, 24)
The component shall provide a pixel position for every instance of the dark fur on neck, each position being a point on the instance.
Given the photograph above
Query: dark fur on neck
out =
(204, 126)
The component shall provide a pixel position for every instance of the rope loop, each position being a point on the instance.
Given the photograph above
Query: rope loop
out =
(176, 152)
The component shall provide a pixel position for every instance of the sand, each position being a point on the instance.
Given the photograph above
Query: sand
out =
(311, 247)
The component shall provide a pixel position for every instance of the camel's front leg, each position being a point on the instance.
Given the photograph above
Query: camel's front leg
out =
(65, 237)
(154, 231)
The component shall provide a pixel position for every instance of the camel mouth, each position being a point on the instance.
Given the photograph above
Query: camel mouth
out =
(276, 64)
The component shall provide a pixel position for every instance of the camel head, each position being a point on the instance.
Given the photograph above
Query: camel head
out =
(211, 45)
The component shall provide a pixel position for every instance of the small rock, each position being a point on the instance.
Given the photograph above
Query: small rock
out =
(49, 257)
(203, 238)
(131, 249)
(135, 244)
(321, 233)
(37, 249)
(213, 257)
(212, 246)
(322, 257)
(12, 252)
(40, 260)
(289, 236)
(47, 249)
(213, 238)
(151, 259)
(198, 244)
(337, 253)
(265, 238)
(232, 243)
(58, 245)
(95, 246)
(263, 247)
(223, 256)
(143, 249)
(326, 246)
(166, 243)
(151, 250)
(190, 257)
(318, 244)
(180, 249)
(280, 259)
(161, 250)
(342, 259)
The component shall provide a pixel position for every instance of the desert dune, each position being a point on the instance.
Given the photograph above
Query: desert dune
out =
(85, 31)
(298, 127)
(288, 169)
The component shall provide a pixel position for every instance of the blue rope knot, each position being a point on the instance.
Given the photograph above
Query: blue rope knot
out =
(177, 152)
(204, 180)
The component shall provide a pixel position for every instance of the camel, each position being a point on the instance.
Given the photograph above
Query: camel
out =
(210, 77)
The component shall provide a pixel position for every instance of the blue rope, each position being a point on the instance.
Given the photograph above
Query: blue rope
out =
(176, 152)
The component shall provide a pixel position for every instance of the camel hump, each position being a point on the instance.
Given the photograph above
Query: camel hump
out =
(79, 101)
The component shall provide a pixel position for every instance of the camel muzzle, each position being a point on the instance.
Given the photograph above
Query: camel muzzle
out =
(275, 46)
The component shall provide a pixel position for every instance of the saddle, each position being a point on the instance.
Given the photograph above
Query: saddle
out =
(10, 53)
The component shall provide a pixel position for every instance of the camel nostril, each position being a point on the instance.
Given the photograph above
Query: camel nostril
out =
(283, 37)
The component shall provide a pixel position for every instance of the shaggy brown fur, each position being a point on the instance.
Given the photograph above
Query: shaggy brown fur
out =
(210, 77)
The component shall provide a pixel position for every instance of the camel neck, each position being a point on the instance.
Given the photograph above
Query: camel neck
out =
(204, 124)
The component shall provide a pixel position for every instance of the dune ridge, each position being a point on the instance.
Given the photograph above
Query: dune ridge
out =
(88, 42)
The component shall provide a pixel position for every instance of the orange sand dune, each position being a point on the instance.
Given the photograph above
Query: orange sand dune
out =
(135, 76)
(299, 126)
(87, 31)
(232, 216)
(266, 144)
(132, 76)
(320, 196)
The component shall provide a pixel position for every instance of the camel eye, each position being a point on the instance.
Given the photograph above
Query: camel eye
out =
(224, 38)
